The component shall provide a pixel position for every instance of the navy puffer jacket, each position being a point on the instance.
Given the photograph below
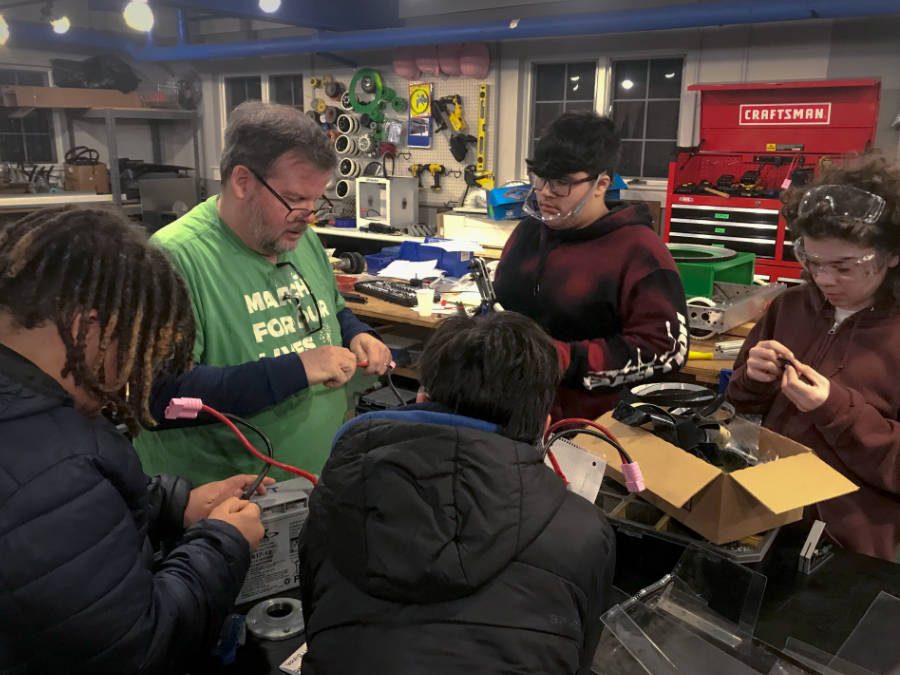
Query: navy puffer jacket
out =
(79, 523)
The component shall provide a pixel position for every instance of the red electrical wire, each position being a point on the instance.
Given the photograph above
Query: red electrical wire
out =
(556, 467)
(274, 462)
(581, 421)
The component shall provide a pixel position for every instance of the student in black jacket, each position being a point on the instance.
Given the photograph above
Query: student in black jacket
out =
(438, 541)
(89, 316)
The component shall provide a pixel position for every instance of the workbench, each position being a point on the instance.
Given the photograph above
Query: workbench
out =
(705, 371)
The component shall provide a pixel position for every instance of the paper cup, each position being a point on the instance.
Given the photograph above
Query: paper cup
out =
(425, 300)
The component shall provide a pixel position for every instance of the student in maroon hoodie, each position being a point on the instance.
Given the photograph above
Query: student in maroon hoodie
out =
(822, 365)
(593, 274)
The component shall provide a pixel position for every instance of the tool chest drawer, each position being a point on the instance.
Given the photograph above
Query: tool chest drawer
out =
(721, 214)
(763, 248)
(767, 233)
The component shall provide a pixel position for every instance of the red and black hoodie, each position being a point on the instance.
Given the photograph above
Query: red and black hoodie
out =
(609, 294)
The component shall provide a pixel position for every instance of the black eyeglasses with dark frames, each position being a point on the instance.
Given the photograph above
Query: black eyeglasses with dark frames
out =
(302, 213)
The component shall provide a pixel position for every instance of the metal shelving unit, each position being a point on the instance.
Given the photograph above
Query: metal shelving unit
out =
(155, 116)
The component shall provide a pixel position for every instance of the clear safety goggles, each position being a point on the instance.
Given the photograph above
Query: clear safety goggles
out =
(844, 202)
(843, 268)
(533, 209)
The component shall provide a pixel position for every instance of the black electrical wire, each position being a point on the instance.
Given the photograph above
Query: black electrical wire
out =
(393, 388)
(590, 432)
(251, 489)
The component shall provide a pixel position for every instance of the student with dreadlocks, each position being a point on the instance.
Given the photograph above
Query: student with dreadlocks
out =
(90, 317)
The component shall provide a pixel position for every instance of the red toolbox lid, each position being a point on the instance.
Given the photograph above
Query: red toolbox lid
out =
(822, 116)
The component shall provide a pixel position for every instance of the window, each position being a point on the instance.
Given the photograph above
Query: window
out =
(646, 99)
(559, 88)
(240, 89)
(26, 138)
(286, 89)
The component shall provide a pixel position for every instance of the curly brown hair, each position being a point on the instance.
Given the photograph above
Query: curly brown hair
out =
(63, 262)
(872, 173)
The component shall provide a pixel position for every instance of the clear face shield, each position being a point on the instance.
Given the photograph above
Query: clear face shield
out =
(561, 188)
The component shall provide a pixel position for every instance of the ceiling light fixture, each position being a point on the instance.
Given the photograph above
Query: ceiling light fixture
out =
(61, 25)
(269, 6)
(669, 76)
(4, 30)
(627, 84)
(138, 15)
(59, 22)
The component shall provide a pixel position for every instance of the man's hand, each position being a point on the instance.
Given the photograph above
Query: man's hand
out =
(369, 348)
(807, 395)
(762, 360)
(205, 498)
(244, 516)
(328, 365)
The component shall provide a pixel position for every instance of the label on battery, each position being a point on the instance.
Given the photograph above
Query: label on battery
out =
(274, 566)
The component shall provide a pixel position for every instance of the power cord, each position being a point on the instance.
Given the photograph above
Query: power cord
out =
(251, 490)
(189, 408)
(634, 481)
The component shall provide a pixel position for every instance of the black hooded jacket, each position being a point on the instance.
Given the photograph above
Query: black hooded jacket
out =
(436, 545)
(79, 521)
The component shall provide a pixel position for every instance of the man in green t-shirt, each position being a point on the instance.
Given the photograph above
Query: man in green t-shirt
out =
(262, 287)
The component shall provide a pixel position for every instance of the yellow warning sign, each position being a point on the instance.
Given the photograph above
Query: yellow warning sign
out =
(771, 147)
(420, 100)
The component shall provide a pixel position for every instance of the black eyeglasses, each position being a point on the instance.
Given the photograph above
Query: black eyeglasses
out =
(292, 287)
(303, 213)
(561, 187)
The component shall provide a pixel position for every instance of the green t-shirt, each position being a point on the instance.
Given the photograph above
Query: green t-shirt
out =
(246, 308)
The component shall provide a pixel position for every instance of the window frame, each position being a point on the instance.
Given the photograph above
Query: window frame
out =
(263, 90)
(57, 119)
(530, 83)
(610, 96)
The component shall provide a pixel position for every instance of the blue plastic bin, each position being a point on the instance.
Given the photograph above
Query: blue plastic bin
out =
(378, 261)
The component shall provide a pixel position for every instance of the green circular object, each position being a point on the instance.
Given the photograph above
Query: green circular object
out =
(699, 253)
(399, 105)
(370, 106)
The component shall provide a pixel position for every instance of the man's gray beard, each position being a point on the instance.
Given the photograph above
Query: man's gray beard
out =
(266, 242)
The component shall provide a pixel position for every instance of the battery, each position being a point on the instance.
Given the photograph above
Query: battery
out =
(274, 566)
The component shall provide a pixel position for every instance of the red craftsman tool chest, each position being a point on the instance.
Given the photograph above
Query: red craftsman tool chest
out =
(756, 138)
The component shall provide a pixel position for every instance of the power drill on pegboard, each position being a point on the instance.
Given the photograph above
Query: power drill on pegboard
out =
(416, 171)
(436, 170)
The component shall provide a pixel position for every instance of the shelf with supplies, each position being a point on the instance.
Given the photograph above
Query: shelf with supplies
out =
(155, 116)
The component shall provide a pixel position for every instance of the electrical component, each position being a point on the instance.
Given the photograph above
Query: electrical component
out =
(634, 481)
(189, 408)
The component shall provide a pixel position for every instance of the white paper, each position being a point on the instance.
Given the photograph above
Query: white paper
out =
(406, 269)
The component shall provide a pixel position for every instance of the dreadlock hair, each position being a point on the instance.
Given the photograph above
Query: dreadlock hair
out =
(872, 173)
(63, 262)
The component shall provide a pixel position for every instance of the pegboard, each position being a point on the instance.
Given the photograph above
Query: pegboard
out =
(453, 187)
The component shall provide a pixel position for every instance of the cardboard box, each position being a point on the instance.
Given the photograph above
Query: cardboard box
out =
(721, 506)
(63, 97)
(87, 178)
